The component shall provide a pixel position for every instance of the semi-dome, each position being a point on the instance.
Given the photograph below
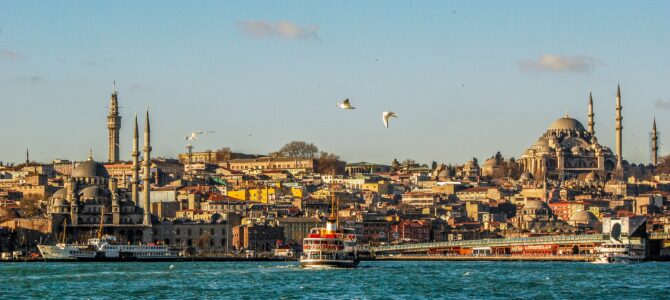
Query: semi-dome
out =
(566, 123)
(89, 169)
(583, 216)
(89, 192)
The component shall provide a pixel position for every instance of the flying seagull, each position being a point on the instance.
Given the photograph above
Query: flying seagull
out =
(194, 135)
(385, 117)
(345, 104)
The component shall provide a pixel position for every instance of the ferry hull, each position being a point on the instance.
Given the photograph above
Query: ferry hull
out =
(63, 254)
(325, 263)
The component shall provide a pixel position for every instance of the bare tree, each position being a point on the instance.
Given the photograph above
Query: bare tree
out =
(299, 149)
(329, 163)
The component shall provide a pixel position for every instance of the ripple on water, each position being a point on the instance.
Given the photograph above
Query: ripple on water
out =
(372, 280)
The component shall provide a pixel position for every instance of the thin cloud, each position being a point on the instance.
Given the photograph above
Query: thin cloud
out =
(560, 63)
(282, 29)
(663, 104)
(10, 55)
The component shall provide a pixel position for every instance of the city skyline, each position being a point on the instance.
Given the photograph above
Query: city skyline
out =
(273, 74)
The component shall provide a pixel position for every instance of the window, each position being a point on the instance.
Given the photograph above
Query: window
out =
(178, 231)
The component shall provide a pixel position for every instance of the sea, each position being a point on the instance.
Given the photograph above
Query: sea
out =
(372, 280)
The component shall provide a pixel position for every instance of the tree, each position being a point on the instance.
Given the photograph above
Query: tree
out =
(329, 163)
(433, 165)
(299, 149)
(31, 206)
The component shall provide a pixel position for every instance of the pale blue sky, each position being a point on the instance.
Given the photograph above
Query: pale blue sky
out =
(467, 78)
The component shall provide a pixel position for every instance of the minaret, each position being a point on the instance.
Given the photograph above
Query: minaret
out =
(592, 124)
(654, 144)
(27, 157)
(619, 129)
(114, 126)
(135, 196)
(147, 172)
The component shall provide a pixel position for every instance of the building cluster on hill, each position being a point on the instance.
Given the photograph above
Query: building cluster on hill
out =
(220, 201)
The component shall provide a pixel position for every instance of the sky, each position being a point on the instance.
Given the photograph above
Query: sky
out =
(466, 78)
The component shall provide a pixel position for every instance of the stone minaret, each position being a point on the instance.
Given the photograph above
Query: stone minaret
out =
(654, 144)
(592, 124)
(147, 172)
(114, 126)
(619, 129)
(135, 194)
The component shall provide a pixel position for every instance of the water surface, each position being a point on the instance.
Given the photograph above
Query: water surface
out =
(372, 280)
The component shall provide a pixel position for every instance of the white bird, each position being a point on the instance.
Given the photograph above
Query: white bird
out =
(194, 135)
(385, 117)
(171, 267)
(345, 104)
(466, 273)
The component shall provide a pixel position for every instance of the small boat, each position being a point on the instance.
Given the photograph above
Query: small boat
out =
(619, 252)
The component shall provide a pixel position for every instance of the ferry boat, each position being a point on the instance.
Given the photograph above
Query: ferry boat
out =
(617, 252)
(105, 248)
(330, 247)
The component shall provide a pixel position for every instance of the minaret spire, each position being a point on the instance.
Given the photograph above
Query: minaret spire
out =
(592, 124)
(619, 130)
(27, 157)
(135, 196)
(147, 172)
(114, 126)
(654, 144)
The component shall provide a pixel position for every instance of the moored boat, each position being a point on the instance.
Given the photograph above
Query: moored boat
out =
(622, 253)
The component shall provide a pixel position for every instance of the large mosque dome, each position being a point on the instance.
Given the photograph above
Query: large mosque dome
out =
(90, 169)
(566, 123)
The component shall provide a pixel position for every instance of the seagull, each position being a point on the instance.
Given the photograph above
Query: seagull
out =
(385, 117)
(466, 273)
(345, 104)
(171, 267)
(194, 135)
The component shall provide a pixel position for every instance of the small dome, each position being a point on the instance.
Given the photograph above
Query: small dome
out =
(526, 176)
(535, 204)
(59, 194)
(583, 216)
(577, 150)
(491, 162)
(592, 176)
(60, 202)
(542, 142)
(90, 168)
(566, 123)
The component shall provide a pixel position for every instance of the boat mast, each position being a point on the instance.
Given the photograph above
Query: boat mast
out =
(102, 210)
(64, 231)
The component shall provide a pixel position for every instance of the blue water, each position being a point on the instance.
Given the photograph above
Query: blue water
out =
(372, 280)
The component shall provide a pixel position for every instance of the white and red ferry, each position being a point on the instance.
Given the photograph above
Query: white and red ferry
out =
(330, 246)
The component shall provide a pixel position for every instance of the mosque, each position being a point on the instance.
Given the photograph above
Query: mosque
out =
(90, 197)
(569, 150)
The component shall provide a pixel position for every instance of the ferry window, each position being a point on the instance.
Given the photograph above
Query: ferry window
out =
(189, 232)
(200, 231)
(211, 231)
(178, 231)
